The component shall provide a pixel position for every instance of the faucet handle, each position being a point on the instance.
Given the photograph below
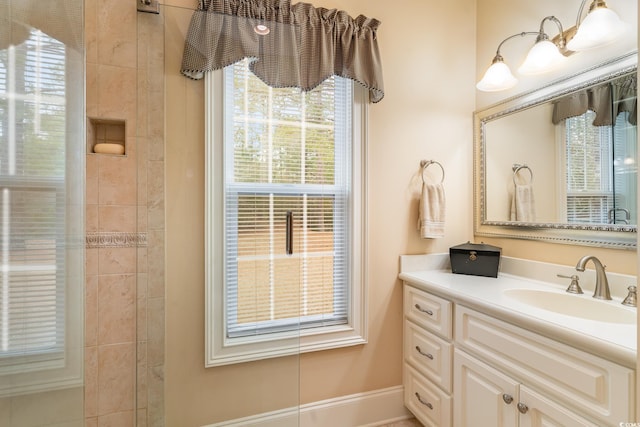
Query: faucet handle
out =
(574, 287)
(631, 299)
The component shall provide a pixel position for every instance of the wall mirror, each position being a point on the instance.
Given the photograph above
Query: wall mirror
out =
(560, 163)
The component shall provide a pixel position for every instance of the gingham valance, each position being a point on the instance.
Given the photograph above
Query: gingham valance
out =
(606, 100)
(304, 46)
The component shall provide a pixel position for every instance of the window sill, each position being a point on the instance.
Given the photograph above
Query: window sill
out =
(240, 350)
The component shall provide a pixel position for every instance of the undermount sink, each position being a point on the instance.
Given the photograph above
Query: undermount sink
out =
(577, 306)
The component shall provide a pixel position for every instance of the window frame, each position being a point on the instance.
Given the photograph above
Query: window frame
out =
(221, 350)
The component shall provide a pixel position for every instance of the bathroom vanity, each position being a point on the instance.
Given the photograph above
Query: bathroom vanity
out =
(516, 350)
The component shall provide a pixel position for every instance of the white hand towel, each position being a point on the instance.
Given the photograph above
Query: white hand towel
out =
(522, 204)
(432, 211)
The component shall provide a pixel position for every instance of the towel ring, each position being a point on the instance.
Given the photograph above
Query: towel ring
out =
(424, 164)
(517, 168)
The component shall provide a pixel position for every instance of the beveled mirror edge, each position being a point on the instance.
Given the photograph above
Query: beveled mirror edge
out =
(599, 235)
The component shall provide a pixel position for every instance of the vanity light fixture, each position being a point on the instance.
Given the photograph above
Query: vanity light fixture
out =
(601, 26)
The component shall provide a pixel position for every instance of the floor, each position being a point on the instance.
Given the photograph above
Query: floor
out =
(405, 423)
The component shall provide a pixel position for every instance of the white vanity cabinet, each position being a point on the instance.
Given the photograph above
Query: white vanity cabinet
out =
(465, 368)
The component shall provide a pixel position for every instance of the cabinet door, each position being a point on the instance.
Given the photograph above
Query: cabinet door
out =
(483, 396)
(540, 411)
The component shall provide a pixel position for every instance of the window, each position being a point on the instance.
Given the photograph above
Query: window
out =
(40, 280)
(285, 223)
(589, 187)
(600, 172)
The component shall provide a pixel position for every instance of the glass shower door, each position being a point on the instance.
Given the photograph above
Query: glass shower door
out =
(41, 213)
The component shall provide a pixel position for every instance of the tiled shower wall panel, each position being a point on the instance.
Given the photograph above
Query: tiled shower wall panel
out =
(124, 320)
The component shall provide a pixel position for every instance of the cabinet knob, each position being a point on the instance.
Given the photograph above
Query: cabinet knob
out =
(507, 398)
(522, 408)
(429, 312)
(424, 402)
(427, 355)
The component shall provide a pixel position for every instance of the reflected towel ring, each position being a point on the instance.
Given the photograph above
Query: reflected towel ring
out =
(516, 168)
(424, 164)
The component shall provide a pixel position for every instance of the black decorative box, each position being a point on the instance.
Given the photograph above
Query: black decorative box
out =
(476, 259)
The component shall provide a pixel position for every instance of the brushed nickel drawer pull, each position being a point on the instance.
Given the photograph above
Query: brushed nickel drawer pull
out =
(429, 312)
(427, 355)
(507, 398)
(424, 402)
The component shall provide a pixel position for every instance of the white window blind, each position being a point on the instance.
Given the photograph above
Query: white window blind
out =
(287, 155)
(38, 311)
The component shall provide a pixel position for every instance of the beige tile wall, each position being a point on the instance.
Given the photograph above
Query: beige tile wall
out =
(124, 309)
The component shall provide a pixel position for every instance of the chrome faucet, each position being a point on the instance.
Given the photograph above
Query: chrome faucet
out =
(602, 284)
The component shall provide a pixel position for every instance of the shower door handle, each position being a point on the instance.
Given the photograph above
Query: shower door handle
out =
(289, 236)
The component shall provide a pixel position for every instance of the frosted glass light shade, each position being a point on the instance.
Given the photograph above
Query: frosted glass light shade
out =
(544, 56)
(497, 77)
(600, 27)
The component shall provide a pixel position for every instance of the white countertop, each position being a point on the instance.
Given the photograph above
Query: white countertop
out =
(613, 341)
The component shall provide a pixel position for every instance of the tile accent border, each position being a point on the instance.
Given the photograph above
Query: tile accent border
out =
(115, 240)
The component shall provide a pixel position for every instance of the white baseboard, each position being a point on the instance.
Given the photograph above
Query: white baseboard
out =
(368, 409)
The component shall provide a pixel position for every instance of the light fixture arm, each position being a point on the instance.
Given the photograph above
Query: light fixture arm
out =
(584, 2)
(543, 36)
(498, 57)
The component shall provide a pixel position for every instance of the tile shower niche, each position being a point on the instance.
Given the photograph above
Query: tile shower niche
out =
(106, 136)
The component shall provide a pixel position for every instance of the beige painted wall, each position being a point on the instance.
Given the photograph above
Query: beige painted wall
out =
(426, 114)
(498, 19)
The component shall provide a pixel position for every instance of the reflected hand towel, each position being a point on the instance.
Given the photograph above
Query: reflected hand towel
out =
(522, 204)
(432, 211)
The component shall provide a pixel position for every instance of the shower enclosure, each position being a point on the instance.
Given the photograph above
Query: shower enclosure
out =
(93, 113)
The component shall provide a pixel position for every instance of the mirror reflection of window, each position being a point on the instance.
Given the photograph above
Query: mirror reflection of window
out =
(588, 169)
(600, 154)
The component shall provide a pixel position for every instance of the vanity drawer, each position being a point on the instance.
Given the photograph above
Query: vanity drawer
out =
(427, 402)
(429, 354)
(429, 311)
(592, 385)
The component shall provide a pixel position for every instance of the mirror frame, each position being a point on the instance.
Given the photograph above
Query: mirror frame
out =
(599, 235)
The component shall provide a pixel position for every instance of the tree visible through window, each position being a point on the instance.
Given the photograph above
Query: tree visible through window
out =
(288, 154)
